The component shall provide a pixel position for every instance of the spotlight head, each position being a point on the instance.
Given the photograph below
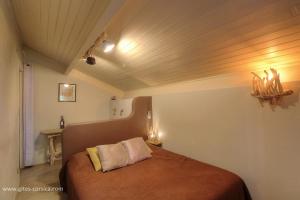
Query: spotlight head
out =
(107, 46)
(90, 60)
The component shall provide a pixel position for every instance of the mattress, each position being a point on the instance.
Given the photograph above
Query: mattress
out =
(165, 176)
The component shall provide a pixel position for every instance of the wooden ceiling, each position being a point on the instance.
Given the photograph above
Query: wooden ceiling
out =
(165, 41)
(57, 28)
(162, 42)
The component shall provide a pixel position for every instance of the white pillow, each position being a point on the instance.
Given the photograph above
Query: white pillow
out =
(112, 156)
(137, 149)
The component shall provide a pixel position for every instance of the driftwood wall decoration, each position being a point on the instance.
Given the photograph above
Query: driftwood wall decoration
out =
(268, 88)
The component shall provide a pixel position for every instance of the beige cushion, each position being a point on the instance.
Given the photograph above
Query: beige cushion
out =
(137, 149)
(112, 156)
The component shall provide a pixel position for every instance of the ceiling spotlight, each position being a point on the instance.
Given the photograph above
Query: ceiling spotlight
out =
(107, 46)
(90, 60)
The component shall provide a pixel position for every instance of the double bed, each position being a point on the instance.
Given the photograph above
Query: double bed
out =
(164, 176)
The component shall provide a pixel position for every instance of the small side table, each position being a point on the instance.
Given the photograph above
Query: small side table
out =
(53, 153)
(155, 143)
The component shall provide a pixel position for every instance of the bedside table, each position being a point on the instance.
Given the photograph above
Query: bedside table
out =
(155, 143)
(53, 153)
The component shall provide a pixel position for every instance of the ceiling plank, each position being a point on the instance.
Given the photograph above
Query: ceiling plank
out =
(100, 26)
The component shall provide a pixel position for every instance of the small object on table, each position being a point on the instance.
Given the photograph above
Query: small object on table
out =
(62, 122)
(53, 153)
(155, 142)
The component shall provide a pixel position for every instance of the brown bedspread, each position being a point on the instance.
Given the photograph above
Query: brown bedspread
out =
(165, 176)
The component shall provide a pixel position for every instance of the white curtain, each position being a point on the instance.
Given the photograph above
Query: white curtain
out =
(28, 139)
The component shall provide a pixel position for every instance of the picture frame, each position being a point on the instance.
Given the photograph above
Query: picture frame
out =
(66, 92)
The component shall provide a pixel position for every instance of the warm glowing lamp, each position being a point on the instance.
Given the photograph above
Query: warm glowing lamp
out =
(268, 88)
(107, 46)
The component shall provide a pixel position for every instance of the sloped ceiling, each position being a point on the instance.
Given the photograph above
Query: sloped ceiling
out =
(162, 42)
(57, 28)
(166, 41)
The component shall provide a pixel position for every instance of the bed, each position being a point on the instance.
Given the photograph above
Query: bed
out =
(164, 176)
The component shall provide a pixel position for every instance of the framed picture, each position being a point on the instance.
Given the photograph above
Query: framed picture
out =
(66, 92)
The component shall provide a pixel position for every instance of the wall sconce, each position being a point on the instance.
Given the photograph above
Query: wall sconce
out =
(149, 115)
(268, 88)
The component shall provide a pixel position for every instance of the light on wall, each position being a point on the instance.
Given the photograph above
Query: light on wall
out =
(268, 87)
(149, 115)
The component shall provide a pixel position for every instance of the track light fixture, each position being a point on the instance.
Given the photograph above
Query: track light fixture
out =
(90, 60)
(106, 45)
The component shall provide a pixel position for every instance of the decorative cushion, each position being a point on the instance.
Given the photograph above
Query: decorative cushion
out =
(94, 156)
(137, 149)
(112, 156)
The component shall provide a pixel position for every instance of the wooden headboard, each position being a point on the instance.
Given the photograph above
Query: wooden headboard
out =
(77, 138)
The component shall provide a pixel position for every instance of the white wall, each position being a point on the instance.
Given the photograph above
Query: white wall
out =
(10, 61)
(120, 108)
(92, 103)
(230, 129)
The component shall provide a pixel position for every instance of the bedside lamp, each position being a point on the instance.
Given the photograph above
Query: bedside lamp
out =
(153, 135)
(153, 138)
